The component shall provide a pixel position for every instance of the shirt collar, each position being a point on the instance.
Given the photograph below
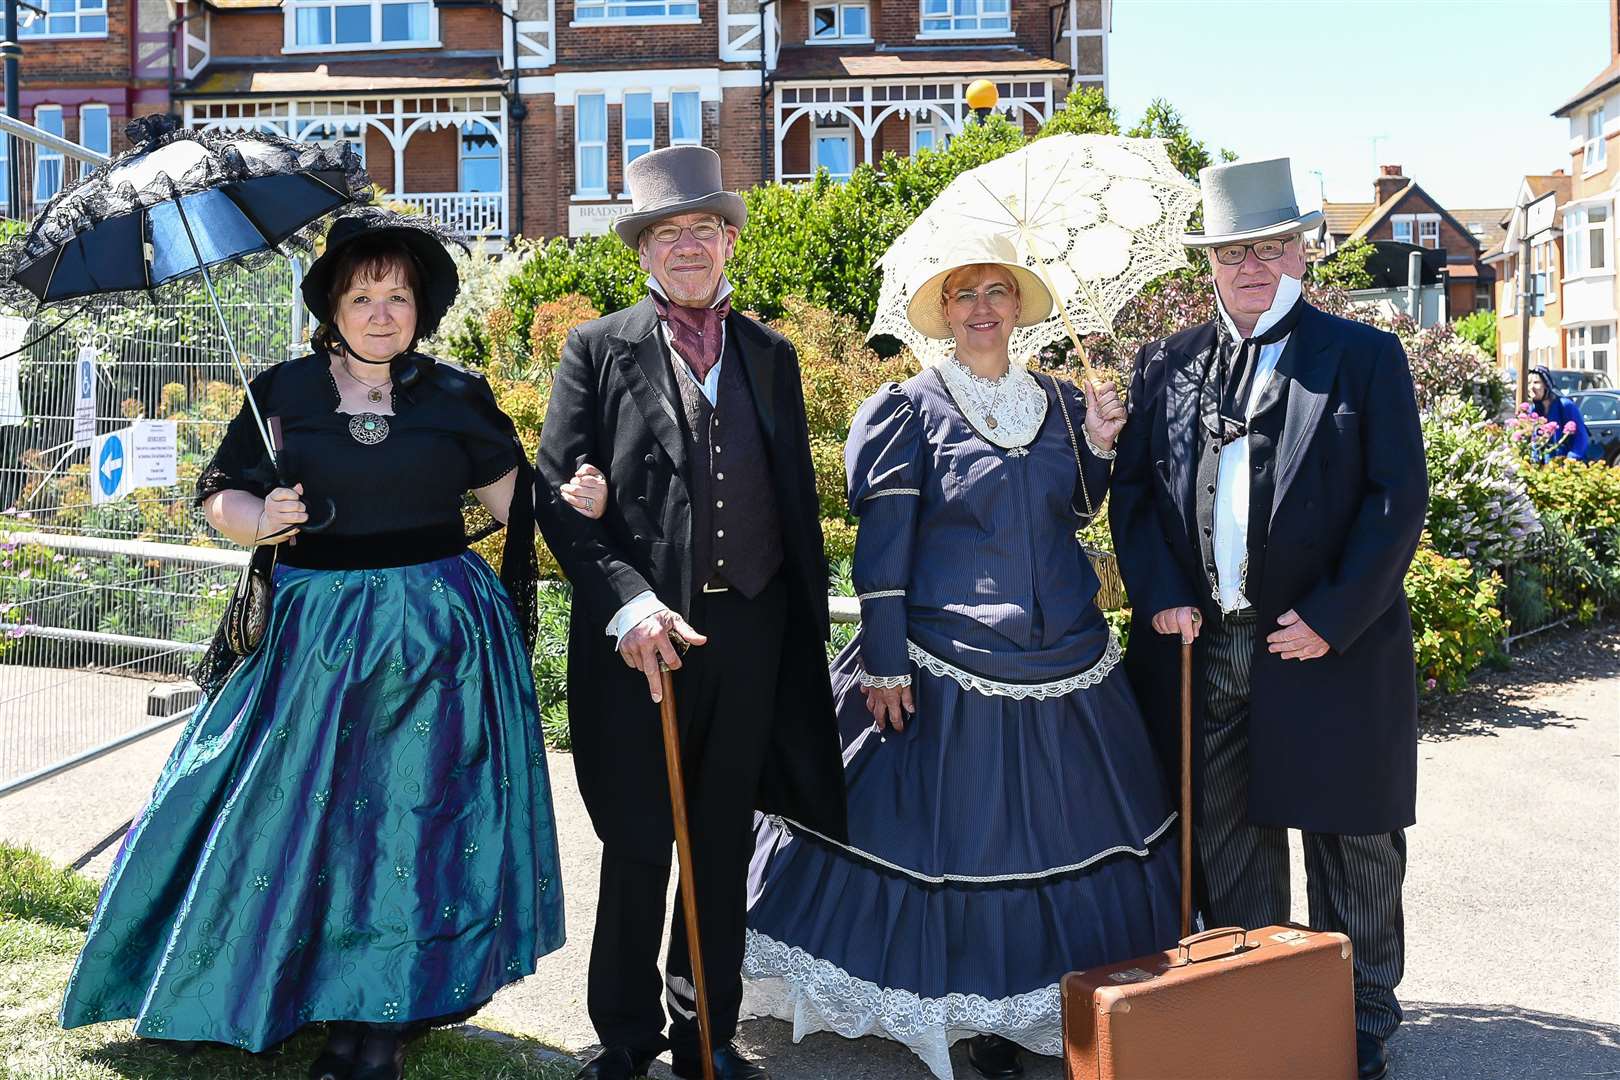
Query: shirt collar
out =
(719, 294)
(1288, 291)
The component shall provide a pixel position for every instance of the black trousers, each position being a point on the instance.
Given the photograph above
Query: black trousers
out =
(722, 695)
(1353, 883)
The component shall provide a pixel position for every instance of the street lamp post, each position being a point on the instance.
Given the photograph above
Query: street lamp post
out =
(981, 97)
(11, 50)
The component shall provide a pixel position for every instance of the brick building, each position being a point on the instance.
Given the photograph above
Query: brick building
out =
(1402, 211)
(1591, 289)
(520, 116)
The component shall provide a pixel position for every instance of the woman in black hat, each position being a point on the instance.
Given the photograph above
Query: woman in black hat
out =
(356, 825)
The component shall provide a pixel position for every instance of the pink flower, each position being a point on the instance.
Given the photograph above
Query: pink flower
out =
(1569, 427)
(1524, 407)
(1430, 684)
(1549, 429)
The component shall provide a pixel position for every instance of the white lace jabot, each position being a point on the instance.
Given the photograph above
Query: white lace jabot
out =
(1006, 412)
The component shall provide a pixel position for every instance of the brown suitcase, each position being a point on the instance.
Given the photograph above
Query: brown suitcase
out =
(1228, 1004)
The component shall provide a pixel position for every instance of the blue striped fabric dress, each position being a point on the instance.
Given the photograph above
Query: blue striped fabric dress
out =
(1019, 827)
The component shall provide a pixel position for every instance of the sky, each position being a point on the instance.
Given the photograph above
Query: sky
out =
(1458, 92)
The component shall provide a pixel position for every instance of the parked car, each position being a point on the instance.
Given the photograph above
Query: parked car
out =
(1601, 410)
(1567, 380)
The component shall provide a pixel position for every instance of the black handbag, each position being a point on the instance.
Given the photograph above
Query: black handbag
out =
(248, 612)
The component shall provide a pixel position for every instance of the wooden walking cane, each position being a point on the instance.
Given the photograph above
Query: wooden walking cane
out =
(683, 857)
(1186, 790)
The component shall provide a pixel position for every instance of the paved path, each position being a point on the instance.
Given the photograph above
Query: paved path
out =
(1513, 967)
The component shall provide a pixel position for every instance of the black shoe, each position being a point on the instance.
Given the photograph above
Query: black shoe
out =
(336, 1059)
(1371, 1061)
(393, 1046)
(615, 1063)
(993, 1057)
(728, 1065)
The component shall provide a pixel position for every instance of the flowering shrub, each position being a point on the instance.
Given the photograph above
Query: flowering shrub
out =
(1584, 494)
(1479, 508)
(1537, 439)
(1457, 621)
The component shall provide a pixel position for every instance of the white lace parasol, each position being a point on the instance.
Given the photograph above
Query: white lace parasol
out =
(1095, 216)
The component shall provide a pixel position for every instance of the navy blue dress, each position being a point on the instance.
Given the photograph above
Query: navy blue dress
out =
(1018, 829)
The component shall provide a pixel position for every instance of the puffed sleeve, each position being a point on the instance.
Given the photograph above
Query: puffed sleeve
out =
(240, 463)
(884, 463)
(490, 441)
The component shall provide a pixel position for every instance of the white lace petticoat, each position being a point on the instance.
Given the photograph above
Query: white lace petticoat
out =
(785, 982)
(979, 684)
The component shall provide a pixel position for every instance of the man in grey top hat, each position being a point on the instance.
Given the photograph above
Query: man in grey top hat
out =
(1268, 497)
(677, 493)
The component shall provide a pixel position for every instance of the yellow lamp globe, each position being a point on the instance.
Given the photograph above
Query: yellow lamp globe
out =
(982, 94)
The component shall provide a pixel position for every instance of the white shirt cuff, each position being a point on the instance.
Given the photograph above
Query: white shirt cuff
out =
(641, 605)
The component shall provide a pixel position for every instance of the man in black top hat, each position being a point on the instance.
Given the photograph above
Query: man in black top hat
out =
(710, 535)
(1267, 500)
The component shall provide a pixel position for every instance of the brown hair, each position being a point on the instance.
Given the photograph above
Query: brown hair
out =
(945, 282)
(367, 259)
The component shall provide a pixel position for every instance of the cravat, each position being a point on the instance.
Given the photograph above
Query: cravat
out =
(696, 332)
(1224, 411)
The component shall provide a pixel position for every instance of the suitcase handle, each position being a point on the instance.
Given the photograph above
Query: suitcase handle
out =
(1239, 936)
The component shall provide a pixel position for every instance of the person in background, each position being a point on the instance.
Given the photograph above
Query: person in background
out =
(1567, 436)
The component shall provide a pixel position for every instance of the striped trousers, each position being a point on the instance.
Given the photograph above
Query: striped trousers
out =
(1353, 883)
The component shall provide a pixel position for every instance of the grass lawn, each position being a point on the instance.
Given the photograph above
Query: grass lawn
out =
(44, 911)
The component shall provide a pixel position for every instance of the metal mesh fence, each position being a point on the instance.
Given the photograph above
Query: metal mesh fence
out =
(1561, 579)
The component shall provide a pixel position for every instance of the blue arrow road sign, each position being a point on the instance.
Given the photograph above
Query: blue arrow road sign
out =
(110, 469)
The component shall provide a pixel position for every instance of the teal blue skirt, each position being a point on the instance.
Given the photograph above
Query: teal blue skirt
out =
(358, 826)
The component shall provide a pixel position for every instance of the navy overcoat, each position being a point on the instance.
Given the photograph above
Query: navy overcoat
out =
(1333, 741)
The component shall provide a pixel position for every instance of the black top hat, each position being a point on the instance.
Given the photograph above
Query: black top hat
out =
(420, 237)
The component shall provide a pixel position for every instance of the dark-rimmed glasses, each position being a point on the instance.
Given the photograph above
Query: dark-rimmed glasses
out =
(1264, 250)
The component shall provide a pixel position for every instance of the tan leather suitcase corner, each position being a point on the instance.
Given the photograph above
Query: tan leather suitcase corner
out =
(1282, 1007)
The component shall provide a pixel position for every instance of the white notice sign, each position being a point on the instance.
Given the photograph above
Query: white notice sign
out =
(146, 454)
(84, 398)
(155, 453)
(594, 219)
(13, 332)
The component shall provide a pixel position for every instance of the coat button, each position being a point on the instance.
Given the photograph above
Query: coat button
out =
(637, 538)
(719, 504)
(650, 459)
(1210, 489)
(1206, 530)
(720, 534)
(719, 476)
(642, 499)
(1259, 468)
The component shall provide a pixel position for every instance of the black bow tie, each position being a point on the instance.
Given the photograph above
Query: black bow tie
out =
(1223, 406)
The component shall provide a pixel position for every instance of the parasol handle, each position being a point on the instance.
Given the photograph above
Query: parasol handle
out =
(1046, 279)
(259, 423)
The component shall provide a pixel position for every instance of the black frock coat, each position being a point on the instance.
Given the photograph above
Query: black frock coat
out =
(614, 404)
(1333, 741)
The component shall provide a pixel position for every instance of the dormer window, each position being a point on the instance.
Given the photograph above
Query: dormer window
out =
(840, 22)
(966, 18)
(360, 24)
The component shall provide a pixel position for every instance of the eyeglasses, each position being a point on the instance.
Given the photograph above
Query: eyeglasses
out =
(996, 294)
(703, 232)
(1264, 250)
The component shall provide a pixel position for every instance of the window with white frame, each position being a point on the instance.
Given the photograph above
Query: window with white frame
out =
(928, 132)
(832, 147)
(359, 23)
(635, 10)
(1591, 347)
(95, 128)
(685, 118)
(68, 18)
(638, 125)
(966, 17)
(48, 163)
(590, 144)
(1596, 152)
(840, 22)
(1429, 232)
(480, 158)
(1510, 286)
(1401, 228)
(1586, 240)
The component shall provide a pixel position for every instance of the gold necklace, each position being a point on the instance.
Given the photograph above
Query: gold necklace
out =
(373, 390)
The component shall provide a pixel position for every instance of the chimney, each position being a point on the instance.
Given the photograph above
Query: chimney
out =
(1390, 180)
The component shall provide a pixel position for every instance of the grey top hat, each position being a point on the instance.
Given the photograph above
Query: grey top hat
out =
(1246, 201)
(676, 180)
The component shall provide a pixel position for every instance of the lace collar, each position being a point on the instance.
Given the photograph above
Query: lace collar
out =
(1005, 412)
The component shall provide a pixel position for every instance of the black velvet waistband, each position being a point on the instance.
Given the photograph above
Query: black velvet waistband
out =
(376, 551)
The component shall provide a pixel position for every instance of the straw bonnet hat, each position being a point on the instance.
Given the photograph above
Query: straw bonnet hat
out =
(926, 308)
